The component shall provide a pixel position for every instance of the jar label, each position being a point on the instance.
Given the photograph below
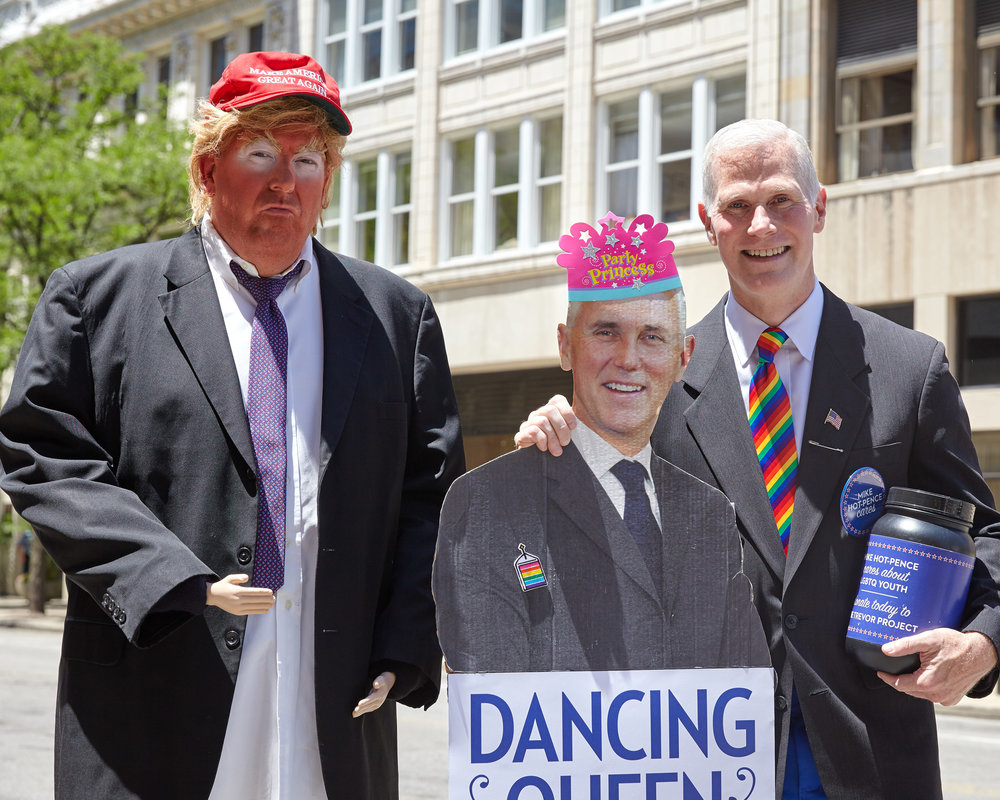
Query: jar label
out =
(862, 500)
(907, 588)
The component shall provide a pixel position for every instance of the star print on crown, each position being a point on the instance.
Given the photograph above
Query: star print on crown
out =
(617, 262)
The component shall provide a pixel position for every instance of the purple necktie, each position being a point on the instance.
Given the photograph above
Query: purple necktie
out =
(266, 390)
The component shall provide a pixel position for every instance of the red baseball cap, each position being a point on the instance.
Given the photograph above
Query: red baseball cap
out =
(253, 78)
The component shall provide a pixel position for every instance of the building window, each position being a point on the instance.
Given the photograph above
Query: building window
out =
(483, 24)
(987, 22)
(461, 197)
(979, 341)
(369, 213)
(900, 313)
(653, 144)
(131, 103)
(407, 39)
(506, 186)
(606, 7)
(988, 449)
(163, 80)
(329, 234)
(622, 172)
(875, 130)
(217, 59)
(550, 179)
(876, 69)
(503, 188)
(365, 208)
(249, 39)
(400, 211)
(255, 38)
(366, 40)
(163, 71)
(989, 102)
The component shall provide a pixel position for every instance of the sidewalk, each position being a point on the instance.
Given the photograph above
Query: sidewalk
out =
(14, 613)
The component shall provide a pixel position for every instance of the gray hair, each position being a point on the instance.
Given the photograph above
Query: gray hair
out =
(758, 134)
(676, 295)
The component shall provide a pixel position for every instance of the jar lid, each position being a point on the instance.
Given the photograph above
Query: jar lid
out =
(933, 503)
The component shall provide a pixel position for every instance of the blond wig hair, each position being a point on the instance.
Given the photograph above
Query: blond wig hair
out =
(215, 131)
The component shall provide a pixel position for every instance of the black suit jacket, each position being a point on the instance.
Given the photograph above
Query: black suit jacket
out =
(903, 415)
(125, 444)
(600, 609)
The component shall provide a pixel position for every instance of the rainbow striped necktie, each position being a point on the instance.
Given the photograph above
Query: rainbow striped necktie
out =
(773, 434)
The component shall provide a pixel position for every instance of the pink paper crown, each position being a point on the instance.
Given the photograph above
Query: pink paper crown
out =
(618, 263)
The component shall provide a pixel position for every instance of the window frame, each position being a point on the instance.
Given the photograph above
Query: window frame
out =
(648, 160)
(390, 25)
(484, 192)
(853, 74)
(605, 8)
(234, 40)
(340, 231)
(488, 25)
(963, 368)
(986, 134)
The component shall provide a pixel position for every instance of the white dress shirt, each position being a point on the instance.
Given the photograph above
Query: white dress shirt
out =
(794, 360)
(271, 749)
(601, 456)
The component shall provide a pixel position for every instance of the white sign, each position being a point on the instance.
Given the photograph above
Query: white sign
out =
(695, 734)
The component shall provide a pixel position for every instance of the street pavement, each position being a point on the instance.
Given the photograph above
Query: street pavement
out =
(423, 735)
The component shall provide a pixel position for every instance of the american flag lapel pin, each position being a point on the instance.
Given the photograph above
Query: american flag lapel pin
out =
(529, 570)
(833, 418)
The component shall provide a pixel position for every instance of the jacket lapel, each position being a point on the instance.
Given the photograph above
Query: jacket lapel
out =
(717, 420)
(675, 553)
(347, 321)
(193, 314)
(573, 488)
(840, 358)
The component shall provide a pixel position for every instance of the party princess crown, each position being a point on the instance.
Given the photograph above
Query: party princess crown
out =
(617, 263)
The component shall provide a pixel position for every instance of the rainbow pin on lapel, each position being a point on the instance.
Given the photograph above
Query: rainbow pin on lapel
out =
(529, 571)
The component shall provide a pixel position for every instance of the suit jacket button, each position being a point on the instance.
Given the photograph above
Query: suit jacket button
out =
(781, 702)
(232, 639)
(791, 622)
(106, 602)
(243, 555)
(120, 616)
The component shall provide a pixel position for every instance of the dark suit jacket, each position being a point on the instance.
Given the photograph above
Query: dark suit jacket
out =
(903, 415)
(126, 446)
(600, 609)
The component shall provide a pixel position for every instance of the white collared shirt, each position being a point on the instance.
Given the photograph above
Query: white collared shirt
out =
(794, 360)
(271, 749)
(601, 456)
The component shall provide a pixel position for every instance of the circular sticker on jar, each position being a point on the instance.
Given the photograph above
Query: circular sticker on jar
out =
(861, 501)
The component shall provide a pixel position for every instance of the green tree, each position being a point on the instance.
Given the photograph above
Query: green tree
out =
(80, 172)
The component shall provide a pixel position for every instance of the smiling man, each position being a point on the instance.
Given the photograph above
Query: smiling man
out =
(790, 392)
(235, 444)
(598, 560)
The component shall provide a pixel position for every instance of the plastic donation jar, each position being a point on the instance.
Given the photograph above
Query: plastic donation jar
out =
(916, 575)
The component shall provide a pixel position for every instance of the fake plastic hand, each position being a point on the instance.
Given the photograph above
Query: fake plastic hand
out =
(228, 595)
(376, 697)
(548, 427)
(951, 663)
